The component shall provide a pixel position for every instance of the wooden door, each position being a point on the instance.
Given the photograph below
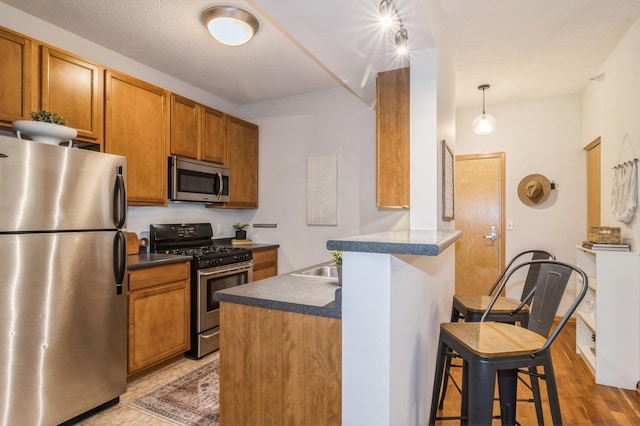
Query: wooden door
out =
(214, 137)
(479, 205)
(185, 115)
(136, 126)
(15, 84)
(242, 159)
(71, 87)
(593, 184)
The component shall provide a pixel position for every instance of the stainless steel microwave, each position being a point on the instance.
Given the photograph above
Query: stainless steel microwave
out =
(197, 181)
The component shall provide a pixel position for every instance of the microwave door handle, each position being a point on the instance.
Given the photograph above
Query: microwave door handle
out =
(220, 185)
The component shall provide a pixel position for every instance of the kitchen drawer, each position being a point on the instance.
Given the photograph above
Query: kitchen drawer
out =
(265, 263)
(156, 275)
(265, 256)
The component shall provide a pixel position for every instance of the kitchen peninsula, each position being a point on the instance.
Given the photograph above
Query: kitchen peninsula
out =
(372, 366)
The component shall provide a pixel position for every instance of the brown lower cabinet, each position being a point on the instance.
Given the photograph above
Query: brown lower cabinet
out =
(265, 263)
(158, 314)
(279, 368)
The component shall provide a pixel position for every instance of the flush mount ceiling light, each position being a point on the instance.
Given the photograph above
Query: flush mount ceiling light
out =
(388, 17)
(484, 124)
(230, 25)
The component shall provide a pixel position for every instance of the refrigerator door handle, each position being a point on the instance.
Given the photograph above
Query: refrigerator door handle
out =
(119, 200)
(119, 259)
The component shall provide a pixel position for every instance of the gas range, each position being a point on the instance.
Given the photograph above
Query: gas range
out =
(213, 268)
(195, 240)
(209, 256)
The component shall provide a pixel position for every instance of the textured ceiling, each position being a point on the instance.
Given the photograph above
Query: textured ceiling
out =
(525, 50)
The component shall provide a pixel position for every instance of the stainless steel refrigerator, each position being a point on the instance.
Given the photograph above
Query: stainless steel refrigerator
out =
(63, 283)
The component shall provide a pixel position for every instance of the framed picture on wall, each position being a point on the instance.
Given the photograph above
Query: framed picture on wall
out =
(447, 181)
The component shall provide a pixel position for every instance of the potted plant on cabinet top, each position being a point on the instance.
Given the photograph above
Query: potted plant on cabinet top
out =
(336, 256)
(241, 230)
(46, 127)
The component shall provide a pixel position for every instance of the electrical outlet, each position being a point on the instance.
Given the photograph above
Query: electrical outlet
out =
(220, 229)
(509, 225)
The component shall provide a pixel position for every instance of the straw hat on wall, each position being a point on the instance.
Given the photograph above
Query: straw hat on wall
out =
(534, 189)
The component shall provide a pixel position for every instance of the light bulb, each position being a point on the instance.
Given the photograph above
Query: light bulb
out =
(402, 41)
(484, 124)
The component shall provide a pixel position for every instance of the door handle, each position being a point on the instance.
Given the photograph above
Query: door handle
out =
(493, 236)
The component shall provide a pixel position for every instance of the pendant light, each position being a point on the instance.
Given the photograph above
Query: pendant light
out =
(484, 124)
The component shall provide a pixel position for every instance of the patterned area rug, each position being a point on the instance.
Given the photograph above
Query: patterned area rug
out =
(192, 400)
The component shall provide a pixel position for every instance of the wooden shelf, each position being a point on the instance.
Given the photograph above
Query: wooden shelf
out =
(589, 319)
(589, 355)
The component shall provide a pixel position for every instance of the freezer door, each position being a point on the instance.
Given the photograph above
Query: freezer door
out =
(53, 188)
(63, 325)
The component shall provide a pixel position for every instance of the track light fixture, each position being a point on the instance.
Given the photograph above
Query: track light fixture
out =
(402, 40)
(484, 124)
(388, 17)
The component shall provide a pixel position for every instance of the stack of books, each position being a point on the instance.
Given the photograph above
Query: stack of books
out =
(606, 246)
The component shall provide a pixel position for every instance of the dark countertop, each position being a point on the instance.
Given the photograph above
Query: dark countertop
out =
(305, 295)
(147, 260)
(254, 246)
(423, 243)
(259, 246)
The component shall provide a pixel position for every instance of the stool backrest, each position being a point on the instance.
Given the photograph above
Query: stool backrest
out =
(544, 299)
(532, 273)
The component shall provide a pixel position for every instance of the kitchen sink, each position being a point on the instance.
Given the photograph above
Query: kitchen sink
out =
(326, 271)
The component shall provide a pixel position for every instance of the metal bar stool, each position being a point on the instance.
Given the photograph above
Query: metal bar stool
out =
(491, 349)
(470, 308)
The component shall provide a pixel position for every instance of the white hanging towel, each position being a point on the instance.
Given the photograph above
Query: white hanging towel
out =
(624, 193)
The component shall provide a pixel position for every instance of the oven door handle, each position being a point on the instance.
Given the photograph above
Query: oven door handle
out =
(224, 271)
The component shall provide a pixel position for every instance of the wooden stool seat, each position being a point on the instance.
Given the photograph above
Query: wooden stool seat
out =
(479, 303)
(494, 339)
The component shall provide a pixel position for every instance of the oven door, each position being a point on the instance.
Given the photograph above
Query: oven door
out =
(215, 279)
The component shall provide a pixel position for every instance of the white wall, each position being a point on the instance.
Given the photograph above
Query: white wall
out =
(320, 123)
(611, 108)
(432, 120)
(540, 136)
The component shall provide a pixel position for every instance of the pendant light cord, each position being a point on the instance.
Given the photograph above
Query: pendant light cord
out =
(483, 89)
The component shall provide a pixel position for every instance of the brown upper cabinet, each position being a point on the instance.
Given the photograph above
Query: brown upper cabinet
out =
(214, 135)
(185, 127)
(137, 126)
(15, 73)
(126, 116)
(392, 139)
(72, 87)
(242, 159)
(197, 131)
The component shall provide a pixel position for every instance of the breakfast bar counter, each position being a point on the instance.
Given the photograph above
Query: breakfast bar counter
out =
(291, 293)
(362, 353)
(397, 289)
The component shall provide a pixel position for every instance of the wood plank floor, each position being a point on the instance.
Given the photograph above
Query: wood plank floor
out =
(582, 401)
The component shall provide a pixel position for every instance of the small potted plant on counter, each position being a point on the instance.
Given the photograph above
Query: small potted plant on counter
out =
(241, 230)
(336, 256)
